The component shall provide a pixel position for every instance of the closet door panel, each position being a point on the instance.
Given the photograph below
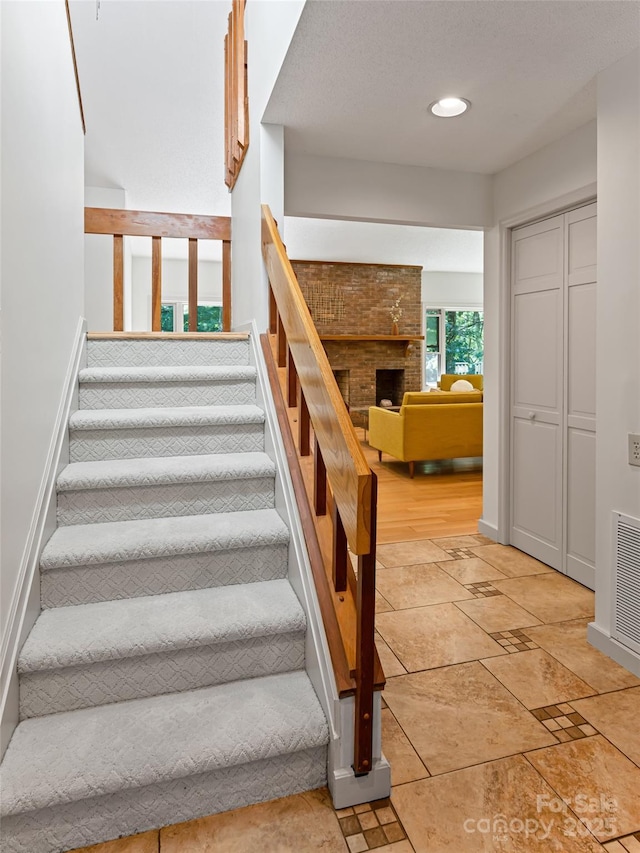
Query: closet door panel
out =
(580, 408)
(581, 504)
(581, 361)
(537, 456)
(537, 389)
(537, 351)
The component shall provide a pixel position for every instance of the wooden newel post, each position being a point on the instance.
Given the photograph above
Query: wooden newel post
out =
(365, 645)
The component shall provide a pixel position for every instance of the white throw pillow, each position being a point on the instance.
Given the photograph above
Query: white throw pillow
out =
(462, 385)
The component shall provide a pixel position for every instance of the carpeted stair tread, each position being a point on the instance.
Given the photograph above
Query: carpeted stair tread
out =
(166, 351)
(112, 630)
(91, 544)
(75, 755)
(164, 470)
(213, 373)
(180, 416)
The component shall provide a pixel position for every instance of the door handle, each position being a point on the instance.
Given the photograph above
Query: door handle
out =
(531, 416)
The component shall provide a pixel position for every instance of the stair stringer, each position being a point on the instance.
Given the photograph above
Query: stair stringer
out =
(346, 788)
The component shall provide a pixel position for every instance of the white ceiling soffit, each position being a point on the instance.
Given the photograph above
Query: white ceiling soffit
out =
(435, 249)
(151, 75)
(360, 74)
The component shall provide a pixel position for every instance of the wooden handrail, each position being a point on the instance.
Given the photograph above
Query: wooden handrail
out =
(145, 223)
(347, 468)
(338, 460)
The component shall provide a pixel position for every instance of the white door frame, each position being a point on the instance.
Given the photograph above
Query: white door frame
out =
(560, 204)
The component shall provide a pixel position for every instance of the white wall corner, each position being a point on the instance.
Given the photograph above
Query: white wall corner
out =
(25, 604)
(489, 530)
(604, 642)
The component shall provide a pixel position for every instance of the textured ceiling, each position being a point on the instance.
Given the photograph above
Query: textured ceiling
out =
(435, 249)
(360, 75)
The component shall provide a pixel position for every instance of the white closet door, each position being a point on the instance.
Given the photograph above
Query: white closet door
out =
(580, 354)
(537, 311)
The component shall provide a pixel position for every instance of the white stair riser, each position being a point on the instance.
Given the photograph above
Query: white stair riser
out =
(130, 811)
(95, 445)
(140, 395)
(154, 576)
(89, 506)
(166, 353)
(170, 671)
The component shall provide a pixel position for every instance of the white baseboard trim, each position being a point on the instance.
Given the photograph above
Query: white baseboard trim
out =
(25, 605)
(347, 789)
(488, 530)
(612, 648)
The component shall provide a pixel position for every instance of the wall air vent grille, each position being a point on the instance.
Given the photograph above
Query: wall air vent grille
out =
(626, 616)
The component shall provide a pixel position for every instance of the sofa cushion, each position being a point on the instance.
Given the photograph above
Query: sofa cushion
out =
(462, 385)
(419, 398)
(447, 380)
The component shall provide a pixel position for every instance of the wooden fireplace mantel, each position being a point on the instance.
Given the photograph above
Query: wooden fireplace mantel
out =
(405, 340)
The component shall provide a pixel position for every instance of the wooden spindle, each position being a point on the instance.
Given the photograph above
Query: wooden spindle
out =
(118, 283)
(292, 381)
(319, 479)
(340, 556)
(304, 426)
(365, 646)
(273, 313)
(156, 284)
(226, 285)
(193, 285)
(282, 344)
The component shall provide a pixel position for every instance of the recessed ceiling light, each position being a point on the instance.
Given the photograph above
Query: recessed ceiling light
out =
(449, 107)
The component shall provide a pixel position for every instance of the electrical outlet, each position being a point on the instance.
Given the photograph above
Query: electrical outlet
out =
(634, 449)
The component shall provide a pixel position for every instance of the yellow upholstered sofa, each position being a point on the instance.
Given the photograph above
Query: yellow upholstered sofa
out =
(429, 426)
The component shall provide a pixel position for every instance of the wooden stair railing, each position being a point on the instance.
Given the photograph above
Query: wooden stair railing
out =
(142, 223)
(339, 493)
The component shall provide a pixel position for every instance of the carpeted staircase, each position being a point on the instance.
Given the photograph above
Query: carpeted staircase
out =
(164, 679)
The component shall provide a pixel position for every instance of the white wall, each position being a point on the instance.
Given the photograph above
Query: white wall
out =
(269, 27)
(175, 286)
(98, 265)
(548, 173)
(452, 289)
(337, 188)
(559, 174)
(618, 341)
(42, 260)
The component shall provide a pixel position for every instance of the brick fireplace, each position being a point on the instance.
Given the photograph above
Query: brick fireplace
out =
(354, 300)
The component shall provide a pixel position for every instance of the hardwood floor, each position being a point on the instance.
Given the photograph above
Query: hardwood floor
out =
(443, 499)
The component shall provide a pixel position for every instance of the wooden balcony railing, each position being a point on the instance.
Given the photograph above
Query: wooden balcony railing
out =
(140, 223)
(344, 514)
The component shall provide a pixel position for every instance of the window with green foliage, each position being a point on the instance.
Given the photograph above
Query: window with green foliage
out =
(464, 334)
(167, 315)
(209, 317)
(454, 343)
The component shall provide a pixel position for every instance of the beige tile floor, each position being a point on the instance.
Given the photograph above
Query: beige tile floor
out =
(506, 731)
